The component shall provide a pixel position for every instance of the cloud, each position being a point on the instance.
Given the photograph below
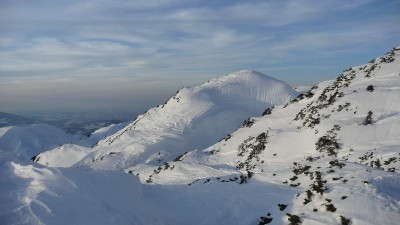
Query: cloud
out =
(82, 45)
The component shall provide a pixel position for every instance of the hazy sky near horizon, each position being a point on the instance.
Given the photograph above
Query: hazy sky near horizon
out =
(131, 55)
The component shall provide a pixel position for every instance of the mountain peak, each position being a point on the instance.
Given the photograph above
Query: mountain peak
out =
(248, 72)
(246, 75)
(192, 119)
(248, 88)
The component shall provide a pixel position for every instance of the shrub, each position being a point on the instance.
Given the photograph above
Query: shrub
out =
(327, 144)
(330, 208)
(299, 169)
(248, 123)
(368, 119)
(336, 163)
(318, 185)
(294, 185)
(370, 88)
(293, 219)
(390, 160)
(265, 219)
(282, 207)
(344, 220)
(268, 111)
(309, 197)
(180, 157)
(243, 179)
(35, 158)
(227, 137)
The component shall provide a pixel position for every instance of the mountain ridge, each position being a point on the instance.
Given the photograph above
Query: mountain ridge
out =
(191, 119)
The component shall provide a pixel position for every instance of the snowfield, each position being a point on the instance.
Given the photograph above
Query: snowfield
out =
(328, 156)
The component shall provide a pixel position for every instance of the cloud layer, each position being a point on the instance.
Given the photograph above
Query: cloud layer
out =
(115, 54)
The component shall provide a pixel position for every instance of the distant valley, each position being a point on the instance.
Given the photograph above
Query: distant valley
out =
(74, 123)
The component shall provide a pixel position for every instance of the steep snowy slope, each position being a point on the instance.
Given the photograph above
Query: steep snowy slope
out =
(192, 119)
(337, 146)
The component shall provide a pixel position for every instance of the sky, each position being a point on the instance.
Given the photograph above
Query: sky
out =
(103, 55)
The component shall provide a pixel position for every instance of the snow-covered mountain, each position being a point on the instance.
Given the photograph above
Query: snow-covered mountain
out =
(26, 142)
(8, 119)
(193, 119)
(329, 156)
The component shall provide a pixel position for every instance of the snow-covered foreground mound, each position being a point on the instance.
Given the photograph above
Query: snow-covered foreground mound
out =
(38, 195)
(329, 156)
(194, 118)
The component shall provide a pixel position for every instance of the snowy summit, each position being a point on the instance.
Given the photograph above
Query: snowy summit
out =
(192, 119)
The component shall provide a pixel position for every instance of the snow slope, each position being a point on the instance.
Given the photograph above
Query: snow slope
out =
(337, 146)
(329, 156)
(192, 119)
(86, 196)
(70, 152)
(26, 142)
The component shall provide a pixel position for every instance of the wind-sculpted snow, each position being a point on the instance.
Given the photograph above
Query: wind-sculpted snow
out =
(192, 119)
(86, 196)
(329, 156)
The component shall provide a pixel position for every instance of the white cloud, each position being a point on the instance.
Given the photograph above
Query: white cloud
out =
(119, 42)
